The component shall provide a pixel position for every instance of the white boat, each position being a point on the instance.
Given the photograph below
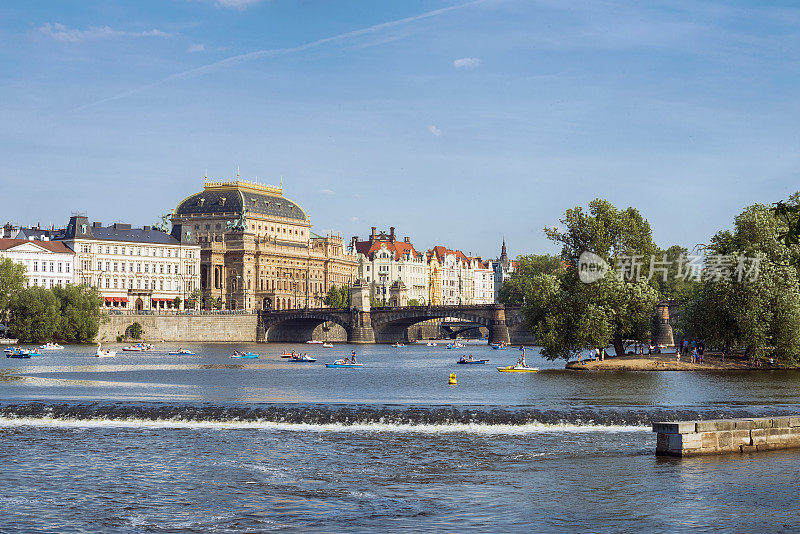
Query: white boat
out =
(138, 347)
(431, 344)
(314, 342)
(327, 346)
(398, 344)
(104, 353)
(51, 346)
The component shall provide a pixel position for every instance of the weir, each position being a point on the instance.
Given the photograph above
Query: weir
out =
(724, 436)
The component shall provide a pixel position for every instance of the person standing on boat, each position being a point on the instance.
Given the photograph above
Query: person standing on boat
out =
(353, 357)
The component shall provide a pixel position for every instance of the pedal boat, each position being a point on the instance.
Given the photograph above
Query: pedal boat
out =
(517, 369)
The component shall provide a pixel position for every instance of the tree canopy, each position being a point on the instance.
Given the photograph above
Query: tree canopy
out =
(756, 305)
(12, 280)
(567, 315)
(35, 314)
(513, 290)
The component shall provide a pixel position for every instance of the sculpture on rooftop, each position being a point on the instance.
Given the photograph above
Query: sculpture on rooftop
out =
(240, 224)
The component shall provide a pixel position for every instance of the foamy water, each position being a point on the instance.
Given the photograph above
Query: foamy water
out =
(465, 428)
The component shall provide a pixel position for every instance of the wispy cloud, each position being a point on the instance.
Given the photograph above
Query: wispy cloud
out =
(326, 191)
(434, 130)
(59, 32)
(354, 219)
(196, 48)
(272, 52)
(237, 4)
(467, 63)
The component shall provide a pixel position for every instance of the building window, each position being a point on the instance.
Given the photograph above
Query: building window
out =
(35, 267)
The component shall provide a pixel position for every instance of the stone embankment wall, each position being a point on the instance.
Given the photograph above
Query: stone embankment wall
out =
(195, 328)
(693, 438)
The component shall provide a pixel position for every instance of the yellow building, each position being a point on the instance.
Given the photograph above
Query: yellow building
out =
(258, 250)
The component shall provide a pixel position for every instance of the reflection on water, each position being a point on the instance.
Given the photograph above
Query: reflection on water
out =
(409, 375)
(147, 442)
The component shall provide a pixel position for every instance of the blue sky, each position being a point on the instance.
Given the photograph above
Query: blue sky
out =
(458, 123)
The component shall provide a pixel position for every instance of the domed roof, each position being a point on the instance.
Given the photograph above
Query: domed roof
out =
(232, 197)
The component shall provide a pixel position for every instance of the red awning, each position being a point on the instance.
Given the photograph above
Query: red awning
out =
(123, 299)
(108, 299)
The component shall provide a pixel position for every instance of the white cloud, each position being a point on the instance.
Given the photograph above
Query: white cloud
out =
(196, 48)
(467, 63)
(326, 191)
(434, 130)
(236, 4)
(354, 219)
(59, 32)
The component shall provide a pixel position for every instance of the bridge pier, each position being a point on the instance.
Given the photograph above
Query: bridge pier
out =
(361, 328)
(498, 331)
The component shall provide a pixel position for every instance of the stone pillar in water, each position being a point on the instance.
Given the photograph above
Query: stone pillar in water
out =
(664, 334)
(498, 331)
(360, 321)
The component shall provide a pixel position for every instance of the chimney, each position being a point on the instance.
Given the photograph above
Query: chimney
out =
(391, 234)
(97, 225)
(372, 235)
(407, 239)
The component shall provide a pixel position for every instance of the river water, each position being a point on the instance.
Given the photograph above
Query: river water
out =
(147, 442)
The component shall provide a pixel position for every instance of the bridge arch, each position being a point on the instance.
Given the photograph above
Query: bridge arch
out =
(298, 325)
(392, 324)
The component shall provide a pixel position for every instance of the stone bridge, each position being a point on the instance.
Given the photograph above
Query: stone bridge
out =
(387, 324)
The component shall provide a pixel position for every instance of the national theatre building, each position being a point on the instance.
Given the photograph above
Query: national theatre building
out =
(257, 249)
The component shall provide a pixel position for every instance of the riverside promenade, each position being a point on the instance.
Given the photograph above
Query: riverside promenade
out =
(724, 436)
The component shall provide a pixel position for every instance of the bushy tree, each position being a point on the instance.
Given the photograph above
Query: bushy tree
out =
(412, 302)
(755, 306)
(79, 313)
(176, 302)
(134, 330)
(344, 292)
(514, 288)
(334, 298)
(567, 315)
(12, 280)
(34, 314)
(194, 298)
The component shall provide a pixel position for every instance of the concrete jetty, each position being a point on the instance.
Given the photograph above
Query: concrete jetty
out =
(724, 436)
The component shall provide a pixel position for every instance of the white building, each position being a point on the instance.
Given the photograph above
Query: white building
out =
(47, 263)
(134, 268)
(383, 260)
(458, 279)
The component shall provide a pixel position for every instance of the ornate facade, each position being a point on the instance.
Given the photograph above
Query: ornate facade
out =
(258, 250)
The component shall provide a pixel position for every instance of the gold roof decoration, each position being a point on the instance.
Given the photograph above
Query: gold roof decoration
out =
(244, 185)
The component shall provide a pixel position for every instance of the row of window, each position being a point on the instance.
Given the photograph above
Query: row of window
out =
(121, 266)
(147, 284)
(47, 282)
(33, 266)
(134, 251)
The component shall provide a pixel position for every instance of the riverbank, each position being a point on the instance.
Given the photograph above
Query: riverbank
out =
(668, 362)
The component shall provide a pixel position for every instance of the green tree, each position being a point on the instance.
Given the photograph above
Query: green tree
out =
(176, 302)
(513, 290)
(668, 279)
(12, 280)
(34, 315)
(755, 305)
(194, 298)
(334, 298)
(134, 330)
(344, 292)
(412, 302)
(788, 216)
(567, 315)
(79, 313)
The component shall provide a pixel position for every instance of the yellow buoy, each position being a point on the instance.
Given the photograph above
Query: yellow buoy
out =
(452, 380)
